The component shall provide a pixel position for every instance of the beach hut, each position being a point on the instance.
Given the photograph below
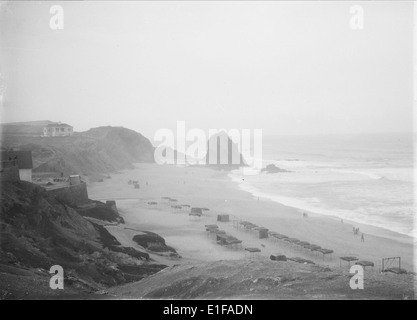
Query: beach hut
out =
(252, 251)
(263, 233)
(223, 239)
(348, 260)
(313, 247)
(196, 211)
(325, 252)
(215, 232)
(234, 243)
(296, 242)
(365, 263)
(278, 257)
(223, 217)
(211, 226)
(235, 222)
(280, 236)
(176, 208)
(291, 240)
(248, 225)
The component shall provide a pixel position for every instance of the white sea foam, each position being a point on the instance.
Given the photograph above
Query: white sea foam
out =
(367, 181)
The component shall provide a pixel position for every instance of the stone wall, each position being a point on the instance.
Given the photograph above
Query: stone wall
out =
(73, 195)
(9, 174)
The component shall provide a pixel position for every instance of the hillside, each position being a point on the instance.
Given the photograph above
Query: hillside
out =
(30, 128)
(100, 150)
(38, 231)
(263, 279)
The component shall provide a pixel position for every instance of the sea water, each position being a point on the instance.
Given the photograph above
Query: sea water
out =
(362, 178)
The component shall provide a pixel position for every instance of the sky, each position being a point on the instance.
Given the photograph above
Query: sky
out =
(285, 68)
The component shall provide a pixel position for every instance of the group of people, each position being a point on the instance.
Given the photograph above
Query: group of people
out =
(136, 183)
(356, 232)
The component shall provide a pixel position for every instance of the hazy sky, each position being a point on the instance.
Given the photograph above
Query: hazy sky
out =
(293, 68)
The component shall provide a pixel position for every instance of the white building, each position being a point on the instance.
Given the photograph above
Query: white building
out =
(58, 130)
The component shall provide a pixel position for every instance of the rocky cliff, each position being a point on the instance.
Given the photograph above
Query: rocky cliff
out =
(38, 231)
(223, 153)
(100, 150)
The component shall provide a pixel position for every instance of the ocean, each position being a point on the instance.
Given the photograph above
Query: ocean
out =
(362, 178)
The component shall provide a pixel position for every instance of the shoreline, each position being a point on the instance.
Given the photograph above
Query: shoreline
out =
(372, 229)
(214, 189)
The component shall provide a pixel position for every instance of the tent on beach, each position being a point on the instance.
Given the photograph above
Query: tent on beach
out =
(280, 236)
(223, 217)
(252, 251)
(277, 257)
(348, 260)
(325, 252)
(176, 208)
(196, 211)
(291, 240)
(365, 263)
(210, 227)
(263, 233)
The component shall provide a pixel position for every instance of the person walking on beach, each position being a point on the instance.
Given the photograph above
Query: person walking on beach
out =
(362, 238)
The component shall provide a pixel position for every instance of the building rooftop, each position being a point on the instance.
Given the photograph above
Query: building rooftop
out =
(54, 125)
(24, 158)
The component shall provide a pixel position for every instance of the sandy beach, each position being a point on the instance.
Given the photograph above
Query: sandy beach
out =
(204, 187)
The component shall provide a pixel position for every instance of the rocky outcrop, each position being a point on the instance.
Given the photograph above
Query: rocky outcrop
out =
(272, 168)
(39, 231)
(153, 242)
(223, 153)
